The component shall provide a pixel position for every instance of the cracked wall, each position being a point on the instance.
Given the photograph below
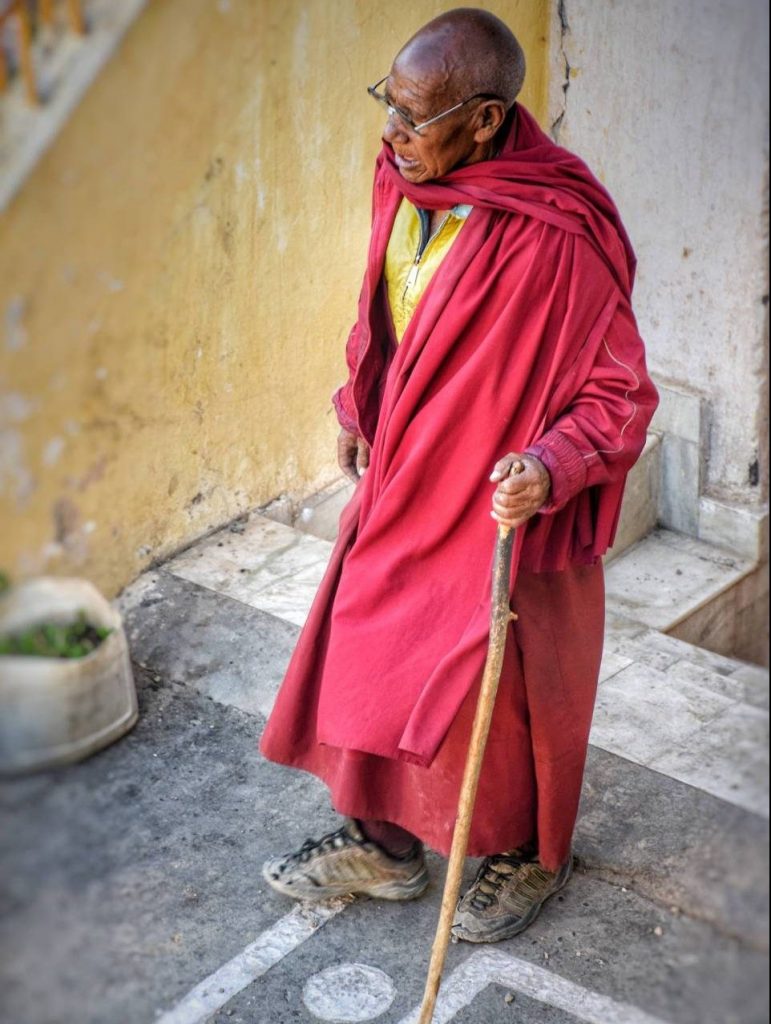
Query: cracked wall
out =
(668, 104)
(180, 272)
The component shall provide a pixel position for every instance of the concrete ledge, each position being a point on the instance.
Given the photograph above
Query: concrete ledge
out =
(680, 412)
(640, 511)
(734, 622)
(736, 527)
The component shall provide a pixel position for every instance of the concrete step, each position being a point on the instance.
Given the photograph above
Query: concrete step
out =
(640, 510)
(695, 591)
(675, 802)
(667, 577)
(318, 514)
(676, 584)
(686, 713)
(693, 715)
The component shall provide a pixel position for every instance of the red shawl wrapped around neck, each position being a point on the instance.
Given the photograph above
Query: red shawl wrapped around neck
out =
(501, 343)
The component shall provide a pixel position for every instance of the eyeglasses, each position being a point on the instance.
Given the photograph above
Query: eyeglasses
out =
(418, 128)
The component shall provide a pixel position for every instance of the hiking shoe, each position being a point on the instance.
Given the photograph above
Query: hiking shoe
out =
(506, 897)
(345, 862)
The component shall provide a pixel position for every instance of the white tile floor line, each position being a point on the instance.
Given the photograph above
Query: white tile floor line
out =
(489, 967)
(255, 960)
(477, 972)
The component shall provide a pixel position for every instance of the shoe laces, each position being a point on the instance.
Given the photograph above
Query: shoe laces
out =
(497, 872)
(493, 875)
(313, 848)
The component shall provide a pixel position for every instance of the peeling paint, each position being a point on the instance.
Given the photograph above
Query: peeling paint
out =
(301, 41)
(53, 450)
(15, 329)
(15, 408)
(113, 284)
(15, 477)
(93, 474)
(70, 535)
(66, 517)
(51, 551)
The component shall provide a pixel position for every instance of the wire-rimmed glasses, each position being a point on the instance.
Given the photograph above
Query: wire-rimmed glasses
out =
(406, 119)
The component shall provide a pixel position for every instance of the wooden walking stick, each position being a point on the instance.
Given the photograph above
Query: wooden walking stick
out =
(501, 616)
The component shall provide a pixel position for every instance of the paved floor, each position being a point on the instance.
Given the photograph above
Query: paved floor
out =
(130, 883)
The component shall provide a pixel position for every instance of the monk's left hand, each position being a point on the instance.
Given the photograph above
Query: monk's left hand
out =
(523, 487)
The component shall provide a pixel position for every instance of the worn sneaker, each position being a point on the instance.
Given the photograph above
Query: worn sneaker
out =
(345, 862)
(506, 897)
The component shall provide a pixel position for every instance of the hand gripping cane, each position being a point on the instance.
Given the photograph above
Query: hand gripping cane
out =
(500, 617)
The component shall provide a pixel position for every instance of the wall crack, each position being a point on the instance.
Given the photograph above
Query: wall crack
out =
(564, 32)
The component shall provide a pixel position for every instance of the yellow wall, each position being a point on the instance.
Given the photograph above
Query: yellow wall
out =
(180, 271)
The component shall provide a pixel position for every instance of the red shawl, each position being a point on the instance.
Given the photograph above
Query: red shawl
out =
(501, 344)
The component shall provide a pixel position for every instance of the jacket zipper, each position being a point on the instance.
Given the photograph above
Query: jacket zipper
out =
(412, 276)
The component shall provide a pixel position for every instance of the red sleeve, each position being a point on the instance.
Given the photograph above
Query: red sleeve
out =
(600, 436)
(342, 399)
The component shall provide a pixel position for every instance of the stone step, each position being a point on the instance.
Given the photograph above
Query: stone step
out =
(640, 510)
(667, 577)
(318, 514)
(263, 563)
(669, 709)
(706, 595)
(694, 716)
(673, 583)
(675, 800)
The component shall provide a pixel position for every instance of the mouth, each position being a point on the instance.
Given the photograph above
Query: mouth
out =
(405, 163)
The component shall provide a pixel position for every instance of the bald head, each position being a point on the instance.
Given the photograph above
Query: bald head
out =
(466, 52)
(449, 92)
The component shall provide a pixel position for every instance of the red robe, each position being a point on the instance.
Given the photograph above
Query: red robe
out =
(523, 340)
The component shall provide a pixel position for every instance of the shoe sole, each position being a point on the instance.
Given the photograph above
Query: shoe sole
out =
(412, 889)
(509, 932)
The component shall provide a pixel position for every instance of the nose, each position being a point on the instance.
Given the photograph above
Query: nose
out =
(395, 129)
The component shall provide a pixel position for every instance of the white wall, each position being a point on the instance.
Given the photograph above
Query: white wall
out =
(667, 102)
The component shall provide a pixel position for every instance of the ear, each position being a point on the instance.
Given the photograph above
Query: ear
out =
(488, 118)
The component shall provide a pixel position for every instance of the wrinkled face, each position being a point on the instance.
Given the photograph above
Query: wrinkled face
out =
(441, 146)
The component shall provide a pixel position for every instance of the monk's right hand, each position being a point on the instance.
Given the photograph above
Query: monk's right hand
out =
(352, 454)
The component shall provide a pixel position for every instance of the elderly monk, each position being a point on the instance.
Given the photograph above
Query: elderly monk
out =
(495, 345)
